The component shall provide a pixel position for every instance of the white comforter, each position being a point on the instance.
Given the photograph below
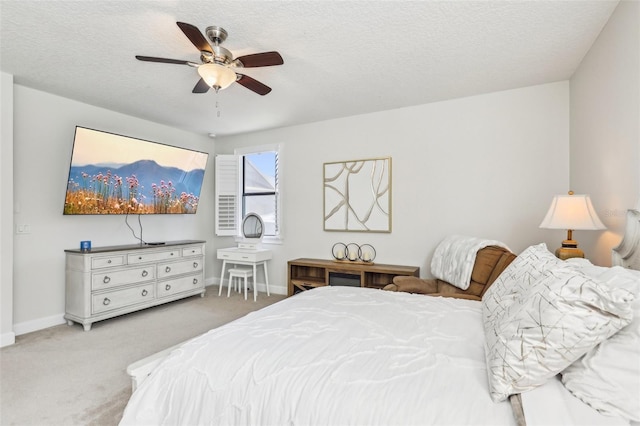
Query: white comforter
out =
(330, 356)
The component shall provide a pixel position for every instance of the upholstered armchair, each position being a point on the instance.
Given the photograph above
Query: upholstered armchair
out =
(489, 264)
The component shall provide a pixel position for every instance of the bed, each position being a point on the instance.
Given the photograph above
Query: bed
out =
(359, 356)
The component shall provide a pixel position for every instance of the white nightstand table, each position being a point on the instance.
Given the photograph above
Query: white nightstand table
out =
(244, 256)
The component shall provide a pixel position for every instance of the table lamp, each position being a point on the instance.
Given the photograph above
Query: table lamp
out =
(571, 212)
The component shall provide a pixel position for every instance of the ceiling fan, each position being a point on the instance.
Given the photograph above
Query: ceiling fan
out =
(217, 67)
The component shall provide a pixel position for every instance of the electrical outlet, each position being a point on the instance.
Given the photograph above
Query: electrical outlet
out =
(23, 229)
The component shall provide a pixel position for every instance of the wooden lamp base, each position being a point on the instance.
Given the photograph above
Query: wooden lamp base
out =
(569, 250)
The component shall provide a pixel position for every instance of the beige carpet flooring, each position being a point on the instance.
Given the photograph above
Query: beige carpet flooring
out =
(66, 376)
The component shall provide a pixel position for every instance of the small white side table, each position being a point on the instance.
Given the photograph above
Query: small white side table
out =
(244, 256)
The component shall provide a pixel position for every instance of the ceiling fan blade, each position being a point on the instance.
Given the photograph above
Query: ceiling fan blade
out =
(201, 87)
(253, 84)
(265, 59)
(164, 60)
(195, 36)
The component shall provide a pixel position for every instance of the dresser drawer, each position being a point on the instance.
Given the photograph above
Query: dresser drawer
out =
(191, 251)
(171, 269)
(191, 282)
(107, 279)
(136, 258)
(121, 298)
(107, 262)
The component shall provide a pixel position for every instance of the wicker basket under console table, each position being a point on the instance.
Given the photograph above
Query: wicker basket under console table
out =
(105, 282)
(304, 274)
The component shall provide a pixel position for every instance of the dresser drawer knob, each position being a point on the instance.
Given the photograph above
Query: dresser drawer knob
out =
(145, 292)
(195, 264)
(106, 279)
(167, 287)
(167, 269)
(145, 273)
(106, 301)
(139, 257)
(109, 261)
(195, 281)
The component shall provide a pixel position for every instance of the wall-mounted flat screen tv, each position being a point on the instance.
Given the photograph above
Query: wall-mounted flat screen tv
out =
(115, 174)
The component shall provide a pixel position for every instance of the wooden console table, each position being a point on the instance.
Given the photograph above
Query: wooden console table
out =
(304, 274)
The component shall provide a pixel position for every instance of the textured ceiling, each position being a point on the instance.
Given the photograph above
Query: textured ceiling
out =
(341, 58)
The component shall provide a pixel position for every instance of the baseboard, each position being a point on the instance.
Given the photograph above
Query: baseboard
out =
(38, 324)
(7, 339)
(42, 323)
(273, 289)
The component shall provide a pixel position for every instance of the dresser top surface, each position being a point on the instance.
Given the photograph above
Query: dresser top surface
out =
(127, 247)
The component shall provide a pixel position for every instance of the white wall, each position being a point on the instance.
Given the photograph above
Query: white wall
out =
(7, 336)
(44, 126)
(485, 166)
(605, 129)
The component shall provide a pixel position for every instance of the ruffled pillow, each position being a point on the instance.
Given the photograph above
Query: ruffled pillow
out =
(540, 316)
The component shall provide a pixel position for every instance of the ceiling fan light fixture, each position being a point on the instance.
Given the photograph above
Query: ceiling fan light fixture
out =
(217, 76)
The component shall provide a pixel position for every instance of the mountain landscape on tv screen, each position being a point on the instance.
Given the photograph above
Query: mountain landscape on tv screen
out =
(141, 187)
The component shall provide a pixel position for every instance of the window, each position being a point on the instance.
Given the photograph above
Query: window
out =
(259, 188)
(248, 182)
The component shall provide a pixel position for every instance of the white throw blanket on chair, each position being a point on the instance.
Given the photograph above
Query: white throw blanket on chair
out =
(455, 256)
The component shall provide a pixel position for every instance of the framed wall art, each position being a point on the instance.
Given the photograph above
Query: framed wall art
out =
(357, 195)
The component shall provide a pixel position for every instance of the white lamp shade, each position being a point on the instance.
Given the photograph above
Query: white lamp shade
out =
(217, 76)
(572, 212)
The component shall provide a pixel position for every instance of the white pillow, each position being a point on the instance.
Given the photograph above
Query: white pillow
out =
(515, 281)
(541, 315)
(608, 377)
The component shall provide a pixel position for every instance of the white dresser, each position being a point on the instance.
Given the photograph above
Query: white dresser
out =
(109, 281)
